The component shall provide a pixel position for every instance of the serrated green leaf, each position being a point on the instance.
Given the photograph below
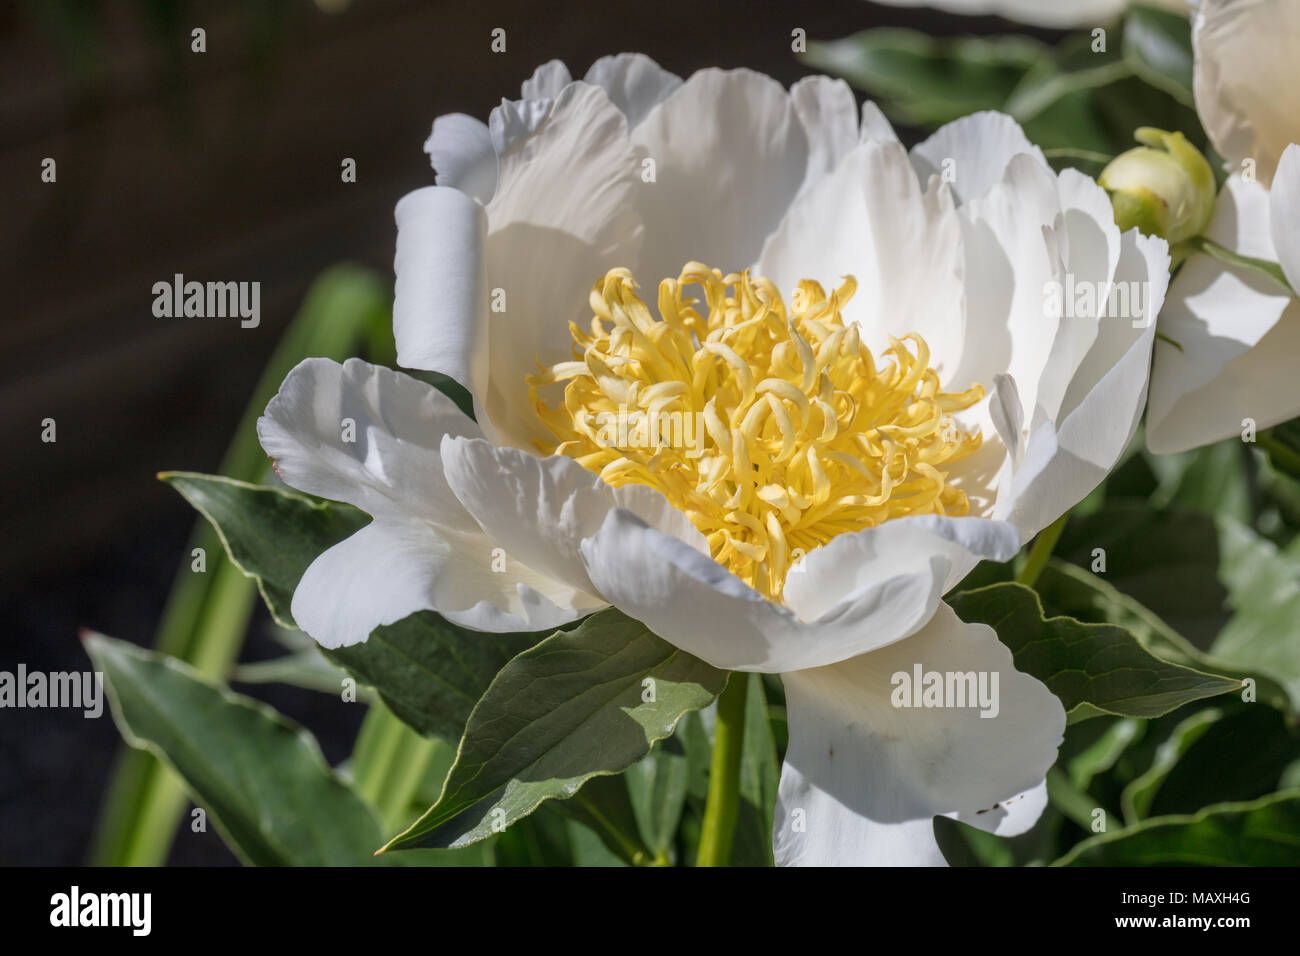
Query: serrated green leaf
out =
(570, 708)
(1264, 832)
(261, 778)
(1093, 668)
(271, 534)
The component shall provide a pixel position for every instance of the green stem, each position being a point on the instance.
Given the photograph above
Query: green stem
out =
(629, 847)
(719, 828)
(389, 764)
(1041, 551)
(1264, 266)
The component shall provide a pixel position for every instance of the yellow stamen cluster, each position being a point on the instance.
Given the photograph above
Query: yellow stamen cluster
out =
(779, 431)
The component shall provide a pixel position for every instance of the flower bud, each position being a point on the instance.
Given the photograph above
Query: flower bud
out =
(1164, 188)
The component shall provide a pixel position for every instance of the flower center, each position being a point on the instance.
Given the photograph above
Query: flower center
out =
(772, 431)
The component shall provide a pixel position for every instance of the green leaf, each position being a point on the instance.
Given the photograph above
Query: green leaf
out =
(1093, 668)
(1282, 443)
(305, 668)
(1157, 46)
(1264, 832)
(1136, 798)
(261, 777)
(1264, 592)
(925, 81)
(1074, 592)
(570, 708)
(271, 534)
(760, 774)
(428, 671)
(657, 785)
(1166, 559)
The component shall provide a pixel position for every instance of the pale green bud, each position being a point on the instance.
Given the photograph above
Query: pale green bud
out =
(1165, 187)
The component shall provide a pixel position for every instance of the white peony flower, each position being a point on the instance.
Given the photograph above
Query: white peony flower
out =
(1043, 13)
(1237, 331)
(857, 452)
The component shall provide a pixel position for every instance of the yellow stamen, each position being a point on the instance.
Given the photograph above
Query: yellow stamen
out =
(772, 431)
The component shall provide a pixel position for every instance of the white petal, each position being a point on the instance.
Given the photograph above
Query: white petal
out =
(392, 568)
(1011, 817)
(1092, 242)
(540, 509)
(829, 114)
(874, 126)
(547, 81)
(371, 437)
(564, 214)
(1284, 214)
(391, 467)
(980, 147)
(460, 149)
(1067, 458)
(1221, 316)
(1246, 94)
(730, 153)
(635, 83)
(864, 778)
(870, 588)
(870, 218)
(1013, 256)
(440, 297)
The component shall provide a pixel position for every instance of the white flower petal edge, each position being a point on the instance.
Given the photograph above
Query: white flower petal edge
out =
(863, 779)
(1238, 330)
(1245, 54)
(864, 590)
(423, 551)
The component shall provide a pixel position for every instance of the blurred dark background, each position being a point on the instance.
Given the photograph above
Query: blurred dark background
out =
(224, 165)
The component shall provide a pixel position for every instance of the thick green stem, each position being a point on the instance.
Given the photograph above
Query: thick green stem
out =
(388, 765)
(1041, 551)
(723, 804)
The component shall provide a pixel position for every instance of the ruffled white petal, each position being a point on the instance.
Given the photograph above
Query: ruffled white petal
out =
(729, 152)
(868, 589)
(540, 509)
(423, 550)
(871, 219)
(547, 81)
(974, 152)
(1246, 94)
(829, 114)
(545, 247)
(863, 779)
(1070, 456)
(634, 83)
(460, 149)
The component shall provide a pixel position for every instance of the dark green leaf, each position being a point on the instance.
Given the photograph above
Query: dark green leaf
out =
(580, 703)
(1158, 47)
(261, 777)
(271, 534)
(1264, 832)
(1093, 668)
